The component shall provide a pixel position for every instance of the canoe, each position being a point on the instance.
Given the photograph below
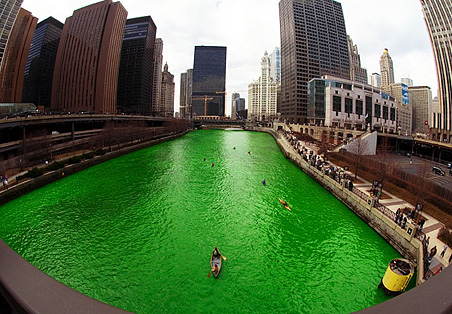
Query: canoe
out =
(216, 261)
(284, 204)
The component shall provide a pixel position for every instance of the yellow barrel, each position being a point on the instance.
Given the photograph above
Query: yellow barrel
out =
(397, 276)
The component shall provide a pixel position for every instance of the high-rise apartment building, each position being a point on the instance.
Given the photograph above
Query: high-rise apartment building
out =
(157, 108)
(167, 93)
(136, 69)
(437, 16)
(240, 111)
(421, 102)
(404, 109)
(209, 81)
(8, 13)
(386, 71)
(15, 57)
(41, 62)
(375, 80)
(275, 65)
(262, 94)
(357, 73)
(313, 43)
(87, 62)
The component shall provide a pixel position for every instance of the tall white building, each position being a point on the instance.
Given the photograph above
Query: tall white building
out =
(275, 65)
(375, 80)
(386, 71)
(262, 94)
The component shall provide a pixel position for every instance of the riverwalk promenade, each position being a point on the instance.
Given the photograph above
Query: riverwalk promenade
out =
(388, 205)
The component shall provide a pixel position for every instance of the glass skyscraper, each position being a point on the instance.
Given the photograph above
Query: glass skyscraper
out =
(136, 69)
(41, 62)
(8, 14)
(313, 43)
(438, 17)
(209, 81)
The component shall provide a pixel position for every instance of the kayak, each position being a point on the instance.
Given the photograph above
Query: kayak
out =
(285, 204)
(216, 261)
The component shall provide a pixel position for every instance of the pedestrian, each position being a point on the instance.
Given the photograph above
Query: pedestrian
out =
(5, 183)
(432, 253)
(450, 258)
(444, 251)
(427, 242)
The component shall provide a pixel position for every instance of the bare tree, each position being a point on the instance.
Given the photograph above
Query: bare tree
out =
(358, 148)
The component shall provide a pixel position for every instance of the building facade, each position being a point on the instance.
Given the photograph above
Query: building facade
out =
(437, 16)
(404, 109)
(275, 65)
(335, 102)
(234, 105)
(386, 71)
(8, 13)
(313, 43)
(240, 111)
(87, 62)
(262, 94)
(421, 102)
(41, 62)
(357, 73)
(167, 93)
(209, 81)
(12, 70)
(407, 81)
(157, 107)
(136, 69)
(375, 80)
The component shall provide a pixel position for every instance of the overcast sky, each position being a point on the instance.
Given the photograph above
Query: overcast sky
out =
(248, 28)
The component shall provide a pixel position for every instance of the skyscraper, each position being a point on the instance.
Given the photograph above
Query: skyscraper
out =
(404, 109)
(357, 73)
(407, 81)
(41, 62)
(136, 70)
(15, 57)
(262, 94)
(157, 83)
(313, 43)
(8, 14)
(375, 80)
(421, 102)
(275, 65)
(233, 105)
(87, 62)
(209, 81)
(186, 82)
(386, 71)
(437, 16)
(167, 93)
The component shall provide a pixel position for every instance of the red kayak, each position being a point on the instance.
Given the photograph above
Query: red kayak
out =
(284, 203)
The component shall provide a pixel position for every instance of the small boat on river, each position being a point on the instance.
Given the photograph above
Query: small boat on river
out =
(215, 262)
(284, 203)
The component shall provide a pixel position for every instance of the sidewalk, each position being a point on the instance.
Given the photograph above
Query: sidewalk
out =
(431, 226)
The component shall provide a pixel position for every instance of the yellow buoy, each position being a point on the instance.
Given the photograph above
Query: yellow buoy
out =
(397, 276)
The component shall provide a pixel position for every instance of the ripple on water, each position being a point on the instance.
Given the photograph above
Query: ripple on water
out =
(138, 231)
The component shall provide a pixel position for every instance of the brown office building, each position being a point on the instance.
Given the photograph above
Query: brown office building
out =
(15, 57)
(87, 62)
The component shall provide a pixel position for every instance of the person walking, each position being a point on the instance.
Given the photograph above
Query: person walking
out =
(444, 251)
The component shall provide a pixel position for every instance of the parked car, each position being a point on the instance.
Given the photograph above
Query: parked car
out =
(438, 170)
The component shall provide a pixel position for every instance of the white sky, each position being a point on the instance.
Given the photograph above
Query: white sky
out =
(249, 27)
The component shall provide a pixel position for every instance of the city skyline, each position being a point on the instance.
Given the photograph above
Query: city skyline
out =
(252, 27)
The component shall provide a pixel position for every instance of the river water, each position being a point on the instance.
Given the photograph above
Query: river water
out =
(138, 231)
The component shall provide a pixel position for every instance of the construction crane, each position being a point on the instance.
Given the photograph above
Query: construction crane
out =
(205, 98)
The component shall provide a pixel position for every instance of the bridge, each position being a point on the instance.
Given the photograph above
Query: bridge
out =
(218, 122)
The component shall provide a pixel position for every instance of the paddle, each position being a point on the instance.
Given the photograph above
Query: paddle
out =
(210, 273)
(224, 257)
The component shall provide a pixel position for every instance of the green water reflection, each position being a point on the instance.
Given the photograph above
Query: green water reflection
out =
(137, 232)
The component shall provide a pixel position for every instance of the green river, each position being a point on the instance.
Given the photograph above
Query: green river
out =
(137, 232)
